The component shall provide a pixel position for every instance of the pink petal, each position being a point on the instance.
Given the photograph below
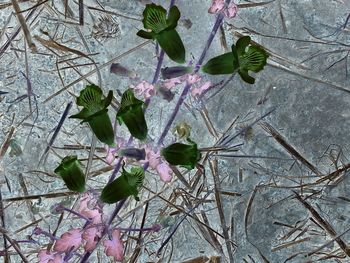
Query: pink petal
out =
(198, 91)
(193, 78)
(145, 89)
(110, 154)
(114, 247)
(165, 172)
(49, 257)
(216, 6)
(95, 214)
(170, 83)
(69, 240)
(91, 235)
(231, 10)
(153, 158)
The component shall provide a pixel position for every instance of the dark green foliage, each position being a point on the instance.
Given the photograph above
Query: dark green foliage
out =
(185, 155)
(243, 58)
(124, 186)
(95, 113)
(131, 114)
(71, 173)
(163, 30)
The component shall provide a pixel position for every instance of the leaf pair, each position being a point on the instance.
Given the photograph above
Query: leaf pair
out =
(243, 58)
(124, 186)
(95, 112)
(163, 30)
(185, 155)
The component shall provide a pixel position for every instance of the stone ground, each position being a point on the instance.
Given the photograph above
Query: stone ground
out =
(285, 192)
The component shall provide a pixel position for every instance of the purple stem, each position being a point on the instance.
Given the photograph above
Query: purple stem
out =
(62, 208)
(187, 88)
(57, 130)
(39, 231)
(154, 81)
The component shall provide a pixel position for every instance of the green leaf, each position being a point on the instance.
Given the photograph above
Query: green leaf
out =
(124, 186)
(90, 98)
(245, 76)
(154, 18)
(173, 18)
(145, 34)
(95, 112)
(254, 59)
(241, 44)
(171, 43)
(72, 174)
(163, 30)
(222, 64)
(132, 115)
(101, 126)
(244, 58)
(185, 155)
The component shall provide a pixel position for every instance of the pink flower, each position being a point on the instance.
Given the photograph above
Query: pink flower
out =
(114, 247)
(165, 172)
(85, 209)
(110, 154)
(170, 83)
(69, 240)
(112, 150)
(152, 157)
(91, 235)
(156, 163)
(231, 10)
(216, 6)
(49, 257)
(197, 91)
(144, 89)
(192, 78)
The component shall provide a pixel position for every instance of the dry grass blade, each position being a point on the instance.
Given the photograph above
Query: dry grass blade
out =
(214, 170)
(81, 12)
(6, 144)
(327, 244)
(246, 221)
(95, 70)
(3, 225)
(201, 259)
(14, 245)
(29, 197)
(324, 224)
(255, 4)
(215, 242)
(279, 138)
(24, 26)
(289, 244)
(58, 46)
(23, 185)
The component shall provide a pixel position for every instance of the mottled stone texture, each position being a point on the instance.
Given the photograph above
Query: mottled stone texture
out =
(302, 82)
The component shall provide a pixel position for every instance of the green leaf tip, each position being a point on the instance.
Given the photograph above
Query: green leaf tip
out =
(95, 112)
(163, 30)
(171, 43)
(128, 184)
(154, 18)
(72, 174)
(132, 115)
(243, 58)
(185, 155)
